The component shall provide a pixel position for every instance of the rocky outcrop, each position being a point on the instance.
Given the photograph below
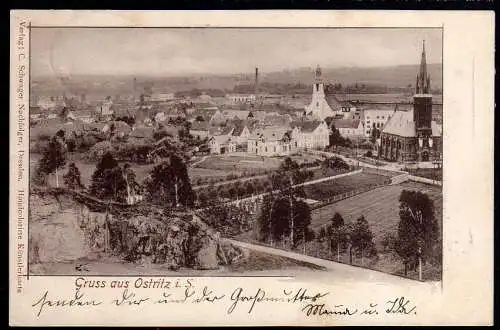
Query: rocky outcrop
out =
(69, 231)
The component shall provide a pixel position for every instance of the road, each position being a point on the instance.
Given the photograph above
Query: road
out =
(338, 269)
(249, 178)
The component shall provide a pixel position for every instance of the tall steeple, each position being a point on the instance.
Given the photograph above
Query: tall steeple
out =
(423, 79)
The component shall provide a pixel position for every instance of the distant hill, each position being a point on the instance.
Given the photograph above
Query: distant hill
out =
(99, 86)
(392, 76)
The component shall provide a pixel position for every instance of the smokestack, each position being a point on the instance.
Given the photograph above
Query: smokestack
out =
(256, 83)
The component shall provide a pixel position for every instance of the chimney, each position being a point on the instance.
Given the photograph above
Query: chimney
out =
(256, 83)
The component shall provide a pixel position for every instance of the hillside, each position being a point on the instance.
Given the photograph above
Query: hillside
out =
(101, 86)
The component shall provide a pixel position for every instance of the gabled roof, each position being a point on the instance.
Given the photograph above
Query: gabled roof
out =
(401, 123)
(270, 134)
(240, 114)
(215, 131)
(306, 126)
(221, 139)
(199, 126)
(346, 123)
(333, 102)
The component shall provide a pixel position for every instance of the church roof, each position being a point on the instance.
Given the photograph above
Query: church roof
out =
(401, 123)
(333, 102)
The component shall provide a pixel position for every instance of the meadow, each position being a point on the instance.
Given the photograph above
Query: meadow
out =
(328, 189)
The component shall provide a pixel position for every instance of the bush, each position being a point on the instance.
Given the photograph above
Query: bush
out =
(369, 153)
(99, 150)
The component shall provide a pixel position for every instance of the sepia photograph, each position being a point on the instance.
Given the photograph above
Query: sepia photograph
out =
(268, 168)
(236, 152)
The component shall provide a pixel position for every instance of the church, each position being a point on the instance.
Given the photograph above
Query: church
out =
(413, 135)
(319, 108)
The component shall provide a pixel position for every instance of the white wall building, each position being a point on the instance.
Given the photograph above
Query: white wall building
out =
(375, 117)
(319, 108)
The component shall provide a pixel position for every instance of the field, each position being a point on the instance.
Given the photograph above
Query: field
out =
(328, 189)
(380, 207)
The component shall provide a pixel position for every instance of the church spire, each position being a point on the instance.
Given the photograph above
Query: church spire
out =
(423, 79)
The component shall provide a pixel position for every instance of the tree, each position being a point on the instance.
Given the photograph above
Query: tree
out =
(170, 183)
(375, 134)
(72, 178)
(249, 188)
(336, 233)
(130, 179)
(264, 232)
(285, 179)
(418, 230)
(108, 181)
(54, 157)
(362, 238)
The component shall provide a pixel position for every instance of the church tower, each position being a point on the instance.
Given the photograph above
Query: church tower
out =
(422, 111)
(319, 108)
(422, 100)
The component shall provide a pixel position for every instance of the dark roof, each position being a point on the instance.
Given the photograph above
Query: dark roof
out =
(199, 126)
(306, 126)
(346, 123)
(333, 102)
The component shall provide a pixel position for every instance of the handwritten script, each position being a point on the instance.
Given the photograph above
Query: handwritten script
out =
(312, 303)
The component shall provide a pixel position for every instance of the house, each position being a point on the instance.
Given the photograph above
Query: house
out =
(141, 135)
(376, 118)
(240, 98)
(199, 129)
(310, 134)
(271, 142)
(218, 130)
(349, 128)
(120, 128)
(160, 117)
(241, 132)
(235, 114)
(161, 97)
(221, 144)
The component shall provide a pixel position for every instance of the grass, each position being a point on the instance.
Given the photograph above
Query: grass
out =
(240, 163)
(328, 189)
(429, 173)
(380, 207)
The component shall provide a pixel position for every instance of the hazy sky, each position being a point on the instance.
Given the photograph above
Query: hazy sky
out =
(171, 52)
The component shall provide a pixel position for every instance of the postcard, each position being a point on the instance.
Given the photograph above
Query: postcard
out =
(251, 168)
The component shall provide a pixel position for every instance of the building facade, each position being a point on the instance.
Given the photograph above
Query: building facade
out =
(310, 134)
(270, 142)
(349, 128)
(375, 118)
(413, 135)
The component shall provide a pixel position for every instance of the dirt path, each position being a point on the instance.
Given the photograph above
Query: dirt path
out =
(335, 268)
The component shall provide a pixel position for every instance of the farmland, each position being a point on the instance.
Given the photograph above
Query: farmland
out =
(328, 189)
(380, 207)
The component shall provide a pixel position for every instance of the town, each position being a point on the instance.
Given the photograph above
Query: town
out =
(329, 171)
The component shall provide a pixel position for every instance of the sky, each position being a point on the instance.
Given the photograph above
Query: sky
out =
(177, 52)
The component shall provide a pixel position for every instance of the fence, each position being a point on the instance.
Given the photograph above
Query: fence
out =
(349, 194)
(424, 180)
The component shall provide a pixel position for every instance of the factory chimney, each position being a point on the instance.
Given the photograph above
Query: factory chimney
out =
(256, 83)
